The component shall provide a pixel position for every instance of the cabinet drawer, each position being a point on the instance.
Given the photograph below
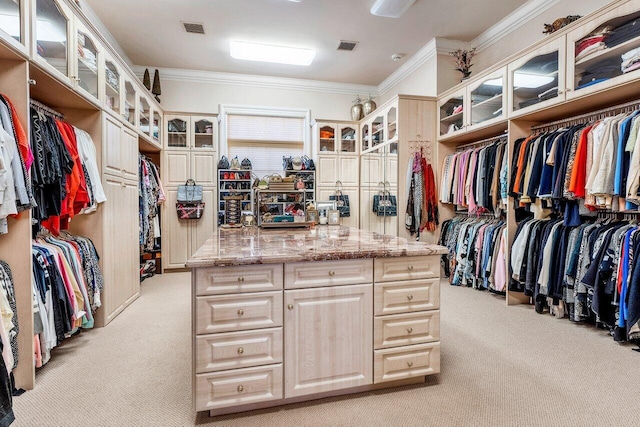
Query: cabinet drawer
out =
(238, 387)
(232, 280)
(238, 312)
(406, 329)
(328, 273)
(406, 268)
(405, 362)
(405, 297)
(234, 350)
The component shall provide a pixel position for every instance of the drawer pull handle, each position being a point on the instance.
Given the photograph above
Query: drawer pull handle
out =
(410, 268)
(332, 273)
(240, 389)
(409, 330)
(290, 306)
(410, 363)
(240, 279)
(240, 350)
(409, 297)
(240, 313)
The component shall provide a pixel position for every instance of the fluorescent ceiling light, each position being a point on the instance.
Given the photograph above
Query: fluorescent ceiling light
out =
(270, 53)
(530, 81)
(391, 8)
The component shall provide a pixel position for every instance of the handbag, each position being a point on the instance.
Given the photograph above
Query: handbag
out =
(189, 192)
(223, 163)
(342, 201)
(189, 210)
(385, 204)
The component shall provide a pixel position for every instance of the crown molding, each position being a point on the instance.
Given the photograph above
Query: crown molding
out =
(197, 76)
(512, 22)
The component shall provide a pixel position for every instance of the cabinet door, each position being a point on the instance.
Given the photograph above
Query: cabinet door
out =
(354, 204)
(328, 339)
(327, 137)
(87, 62)
(178, 131)
(52, 38)
(590, 71)
(537, 80)
(201, 229)
(451, 113)
(14, 29)
(327, 170)
(371, 171)
(176, 169)
(112, 302)
(130, 110)
(129, 154)
(349, 172)
(176, 234)
(112, 143)
(204, 131)
(203, 167)
(112, 86)
(129, 260)
(144, 116)
(348, 135)
(487, 99)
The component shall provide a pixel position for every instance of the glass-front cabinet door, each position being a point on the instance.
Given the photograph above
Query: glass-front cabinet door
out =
(144, 116)
(87, 62)
(536, 80)
(487, 98)
(377, 131)
(130, 108)
(177, 128)
(204, 132)
(112, 86)
(51, 41)
(451, 114)
(348, 138)
(327, 138)
(392, 123)
(12, 23)
(365, 141)
(604, 52)
(156, 131)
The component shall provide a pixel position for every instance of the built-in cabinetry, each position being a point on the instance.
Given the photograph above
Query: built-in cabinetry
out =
(270, 204)
(234, 185)
(190, 144)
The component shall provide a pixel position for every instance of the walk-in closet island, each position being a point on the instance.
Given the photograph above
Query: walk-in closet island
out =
(287, 315)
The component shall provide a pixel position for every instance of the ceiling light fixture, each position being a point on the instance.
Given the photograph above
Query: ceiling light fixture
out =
(270, 53)
(391, 8)
(396, 57)
(524, 80)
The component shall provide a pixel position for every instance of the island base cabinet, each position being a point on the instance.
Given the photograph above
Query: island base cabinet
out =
(328, 340)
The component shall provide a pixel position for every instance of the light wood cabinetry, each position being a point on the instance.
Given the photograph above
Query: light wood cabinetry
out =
(190, 144)
(269, 334)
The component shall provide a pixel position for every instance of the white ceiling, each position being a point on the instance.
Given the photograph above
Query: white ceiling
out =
(151, 34)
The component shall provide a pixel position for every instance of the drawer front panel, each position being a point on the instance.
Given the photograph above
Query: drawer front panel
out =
(238, 350)
(406, 268)
(238, 312)
(238, 387)
(406, 329)
(405, 297)
(233, 280)
(406, 362)
(328, 273)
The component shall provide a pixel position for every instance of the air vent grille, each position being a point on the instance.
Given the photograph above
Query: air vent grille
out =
(195, 28)
(347, 45)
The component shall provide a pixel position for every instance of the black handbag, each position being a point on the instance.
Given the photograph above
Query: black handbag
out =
(223, 163)
(189, 192)
(385, 204)
(342, 201)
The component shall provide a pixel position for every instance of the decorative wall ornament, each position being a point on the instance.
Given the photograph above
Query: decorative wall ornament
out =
(156, 90)
(146, 79)
(559, 23)
(463, 61)
(357, 111)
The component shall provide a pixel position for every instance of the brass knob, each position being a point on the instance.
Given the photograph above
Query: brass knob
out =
(240, 350)
(240, 279)
(240, 389)
(290, 306)
(409, 297)
(409, 330)
(410, 364)
(411, 268)
(240, 313)
(332, 273)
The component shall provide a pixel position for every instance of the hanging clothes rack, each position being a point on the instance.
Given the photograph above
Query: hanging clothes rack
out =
(481, 143)
(594, 115)
(47, 110)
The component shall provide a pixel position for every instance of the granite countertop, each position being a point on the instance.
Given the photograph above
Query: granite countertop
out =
(252, 245)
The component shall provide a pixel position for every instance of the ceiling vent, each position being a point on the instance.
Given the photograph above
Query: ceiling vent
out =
(347, 45)
(195, 28)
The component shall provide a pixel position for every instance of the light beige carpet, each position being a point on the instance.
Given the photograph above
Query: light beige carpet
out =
(500, 367)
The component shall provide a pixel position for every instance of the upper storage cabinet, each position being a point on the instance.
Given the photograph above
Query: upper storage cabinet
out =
(112, 86)
(157, 126)
(13, 28)
(88, 60)
(204, 132)
(51, 37)
(451, 112)
(144, 116)
(191, 132)
(327, 138)
(348, 138)
(537, 79)
(130, 106)
(487, 99)
(605, 51)
(177, 127)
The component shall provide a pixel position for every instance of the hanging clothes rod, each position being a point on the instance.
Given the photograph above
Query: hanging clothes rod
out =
(592, 115)
(40, 106)
(482, 142)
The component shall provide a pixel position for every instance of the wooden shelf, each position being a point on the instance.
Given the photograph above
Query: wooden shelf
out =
(486, 108)
(452, 118)
(608, 53)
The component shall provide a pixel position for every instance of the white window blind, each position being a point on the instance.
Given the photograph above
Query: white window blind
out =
(264, 140)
